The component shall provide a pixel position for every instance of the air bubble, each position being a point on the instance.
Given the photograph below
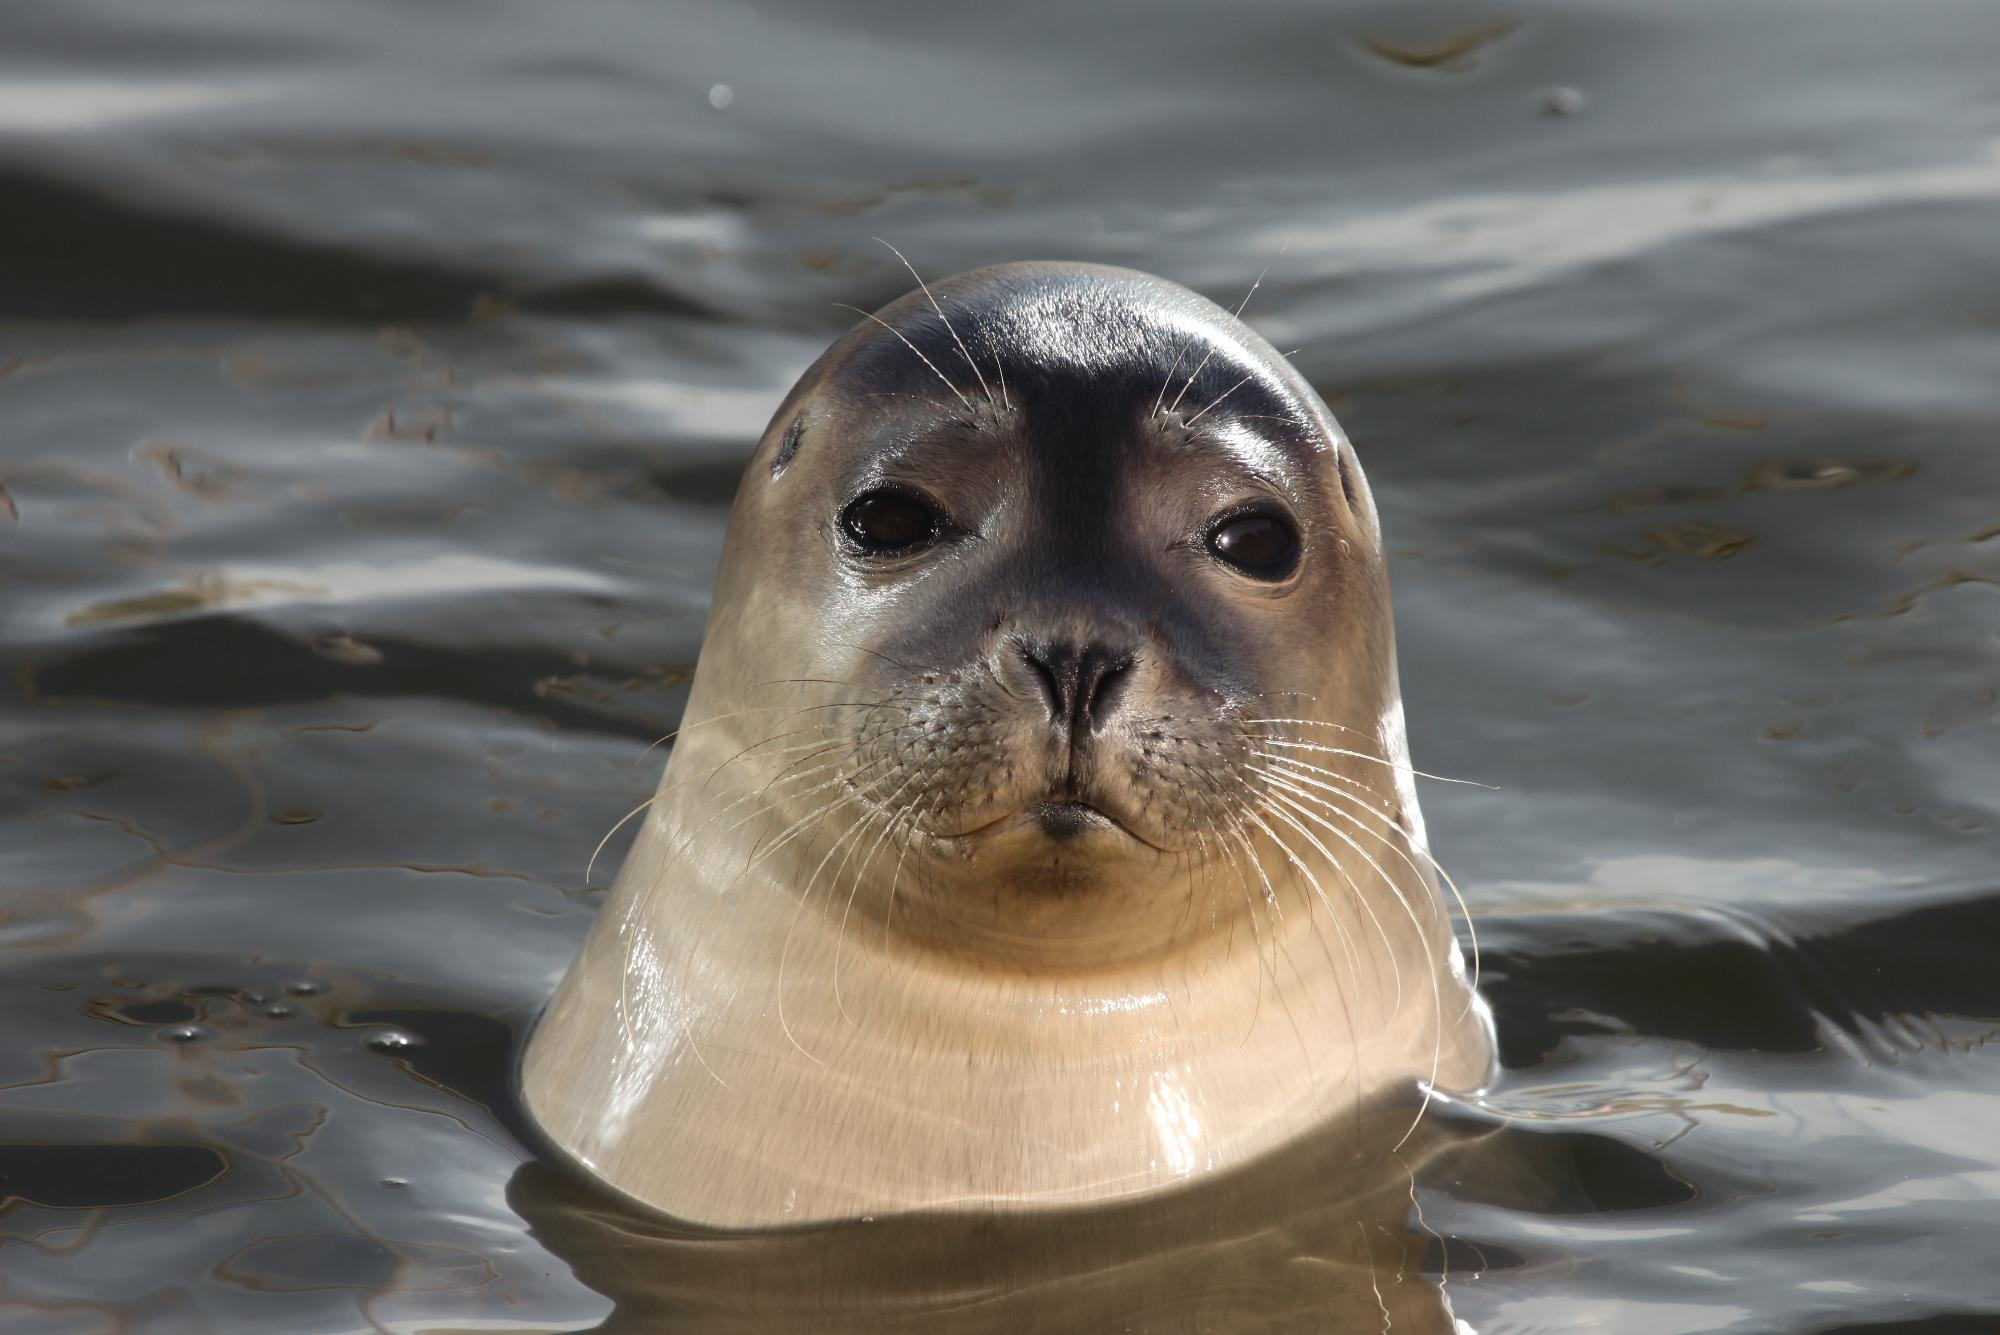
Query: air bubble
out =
(305, 987)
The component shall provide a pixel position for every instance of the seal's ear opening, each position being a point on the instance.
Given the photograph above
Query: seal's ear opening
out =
(789, 446)
(1344, 462)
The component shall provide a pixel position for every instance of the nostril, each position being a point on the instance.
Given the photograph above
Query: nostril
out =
(1101, 681)
(1081, 687)
(1054, 671)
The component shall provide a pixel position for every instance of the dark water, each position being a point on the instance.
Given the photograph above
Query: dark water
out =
(372, 382)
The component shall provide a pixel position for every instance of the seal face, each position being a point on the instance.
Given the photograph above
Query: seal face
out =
(1041, 828)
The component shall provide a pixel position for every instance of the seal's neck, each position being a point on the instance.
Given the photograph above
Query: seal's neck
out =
(735, 1049)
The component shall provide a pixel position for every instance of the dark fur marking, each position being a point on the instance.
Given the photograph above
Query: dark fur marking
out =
(789, 446)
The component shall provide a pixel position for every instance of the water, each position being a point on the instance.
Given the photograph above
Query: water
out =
(372, 383)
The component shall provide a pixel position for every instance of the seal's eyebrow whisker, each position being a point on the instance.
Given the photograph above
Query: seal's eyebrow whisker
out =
(1159, 402)
(926, 289)
(1175, 406)
(1268, 417)
(870, 315)
(1217, 400)
(1235, 314)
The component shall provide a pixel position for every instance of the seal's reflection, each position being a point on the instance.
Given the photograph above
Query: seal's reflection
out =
(1317, 1237)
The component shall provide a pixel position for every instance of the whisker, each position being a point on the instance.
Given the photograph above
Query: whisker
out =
(1430, 959)
(1159, 403)
(1219, 398)
(926, 287)
(711, 719)
(870, 315)
(1211, 802)
(846, 839)
(877, 653)
(807, 681)
(908, 841)
(891, 821)
(590, 865)
(705, 774)
(1216, 402)
(1353, 892)
(1465, 911)
(1340, 932)
(1236, 314)
(1360, 755)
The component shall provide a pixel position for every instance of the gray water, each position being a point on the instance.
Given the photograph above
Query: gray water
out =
(373, 380)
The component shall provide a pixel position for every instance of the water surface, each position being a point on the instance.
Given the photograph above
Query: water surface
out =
(373, 380)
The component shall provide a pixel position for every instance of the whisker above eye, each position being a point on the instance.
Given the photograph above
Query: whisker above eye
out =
(926, 289)
(870, 315)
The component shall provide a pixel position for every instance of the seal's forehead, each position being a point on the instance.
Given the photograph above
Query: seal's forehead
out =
(1078, 315)
(1064, 344)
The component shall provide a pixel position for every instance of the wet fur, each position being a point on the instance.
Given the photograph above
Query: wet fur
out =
(836, 834)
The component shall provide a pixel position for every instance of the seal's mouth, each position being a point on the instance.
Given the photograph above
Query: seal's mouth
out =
(1067, 819)
(1060, 820)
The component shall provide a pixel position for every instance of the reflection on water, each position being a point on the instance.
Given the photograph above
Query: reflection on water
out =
(372, 385)
(1316, 1238)
(1321, 1236)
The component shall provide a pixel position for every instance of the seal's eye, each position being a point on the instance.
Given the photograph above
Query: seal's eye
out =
(1260, 543)
(889, 522)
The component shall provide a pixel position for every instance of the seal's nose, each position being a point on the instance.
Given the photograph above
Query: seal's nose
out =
(1080, 684)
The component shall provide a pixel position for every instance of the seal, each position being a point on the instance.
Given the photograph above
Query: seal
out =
(1041, 829)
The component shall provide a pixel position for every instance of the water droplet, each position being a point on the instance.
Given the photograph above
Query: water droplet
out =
(393, 1040)
(722, 97)
(305, 987)
(395, 1182)
(257, 996)
(1561, 102)
(280, 1011)
(186, 1033)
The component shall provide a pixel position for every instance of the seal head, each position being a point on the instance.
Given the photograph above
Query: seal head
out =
(1041, 829)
